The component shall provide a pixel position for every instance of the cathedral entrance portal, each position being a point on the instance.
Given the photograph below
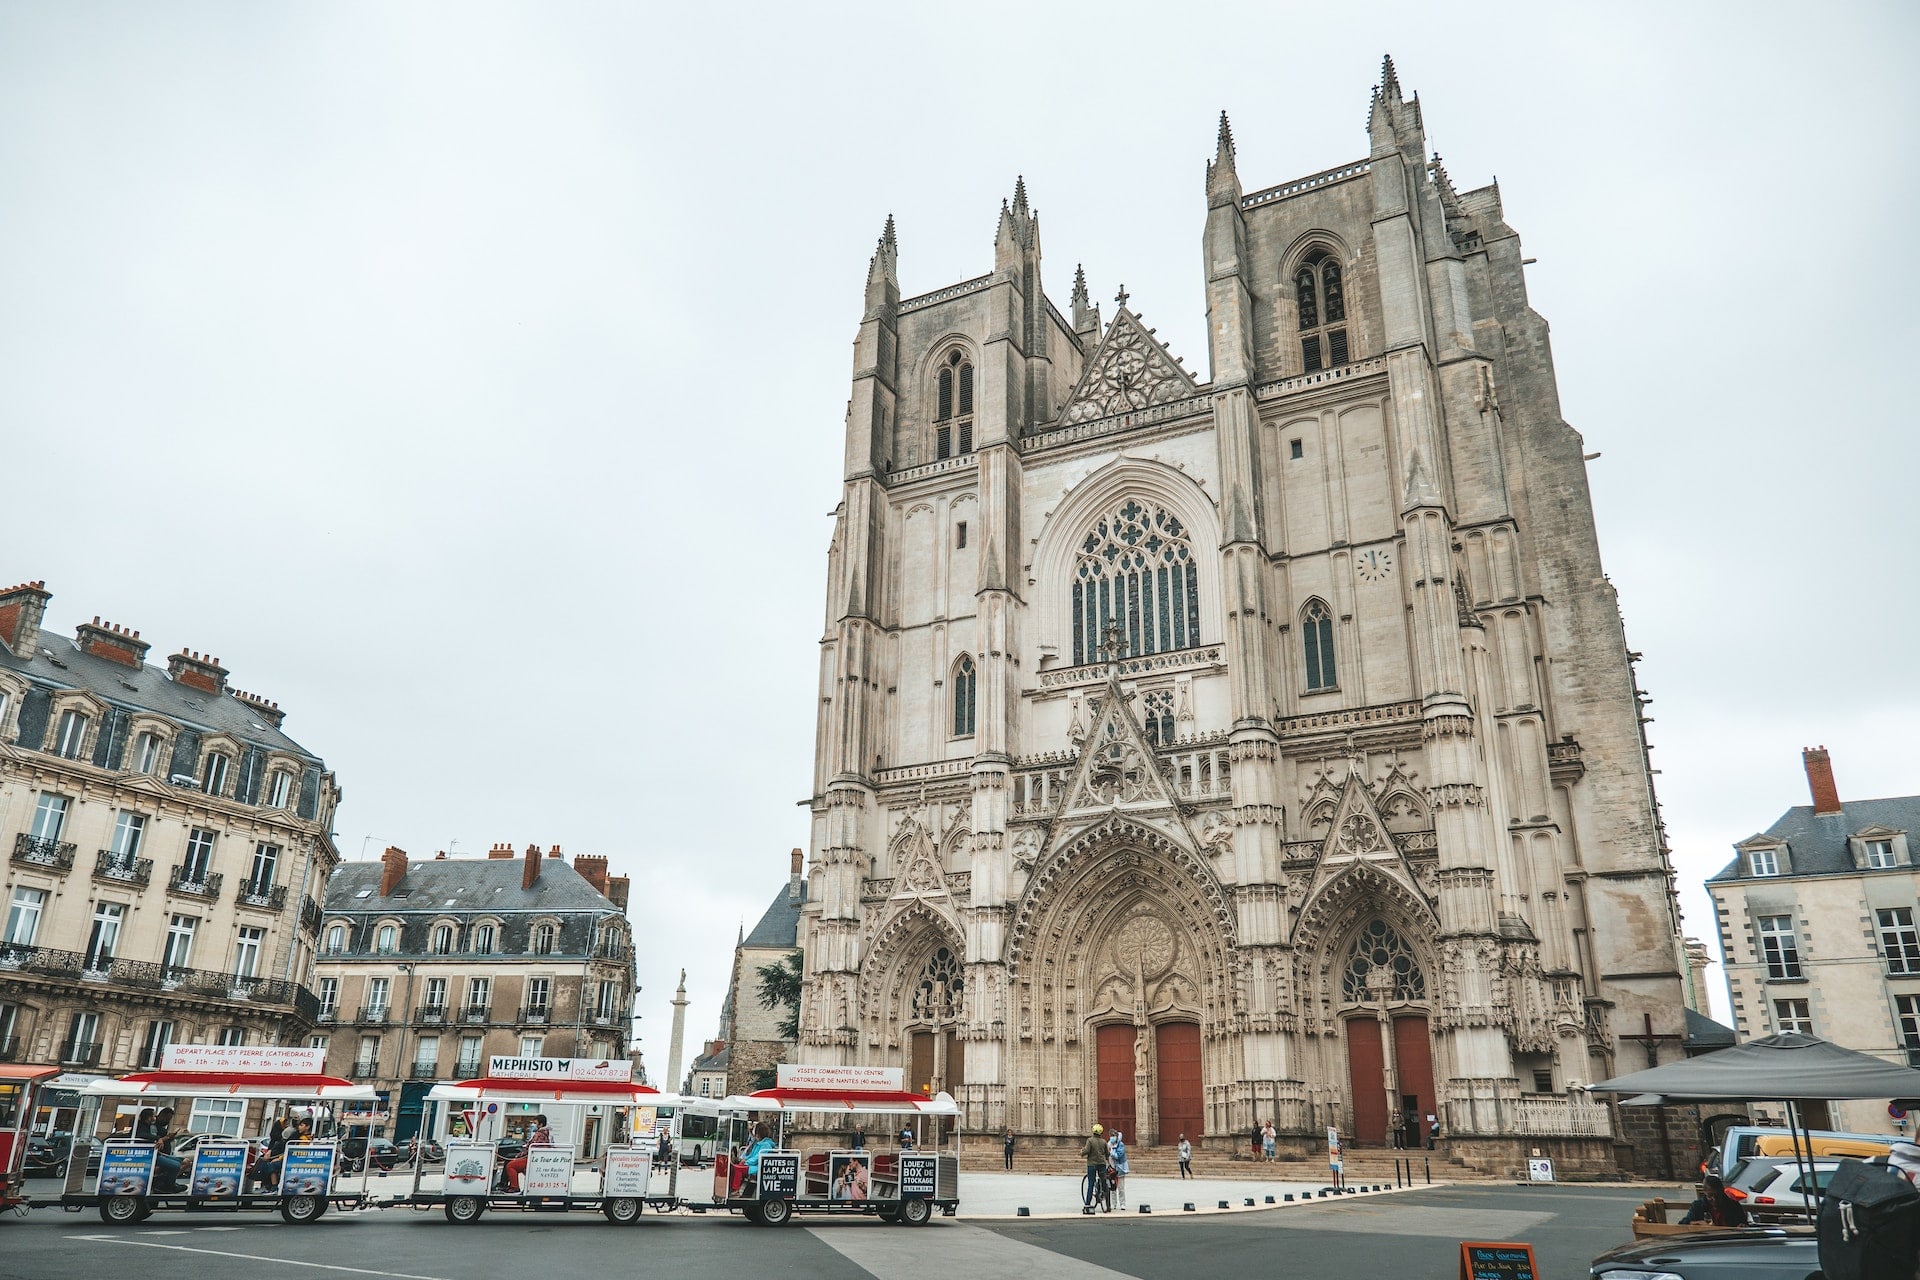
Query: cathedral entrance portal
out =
(1114, 1059)
(1178, 1057)
(1413, 1066)
(1366, 1080)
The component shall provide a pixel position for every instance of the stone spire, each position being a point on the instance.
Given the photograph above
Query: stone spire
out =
(884, 266)
(1086, 312)
(1223, 181)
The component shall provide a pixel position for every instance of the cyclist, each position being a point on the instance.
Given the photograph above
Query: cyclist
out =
(1095, 1152)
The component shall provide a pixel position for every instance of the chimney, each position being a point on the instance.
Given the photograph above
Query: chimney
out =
(617, 888)
(113, 642)
(554, 852)
(593, 869)
(197, 671)
(21, 609)
(796, 887)
(1826, 794)
(268, 711)
(499, 851)
(530, 870)
(393, 869)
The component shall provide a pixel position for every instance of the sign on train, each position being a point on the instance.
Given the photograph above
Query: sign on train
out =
(507, 1067)
(793, 1075)
(243, 1057)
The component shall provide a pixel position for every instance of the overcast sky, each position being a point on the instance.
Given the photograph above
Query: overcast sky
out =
(470, 378)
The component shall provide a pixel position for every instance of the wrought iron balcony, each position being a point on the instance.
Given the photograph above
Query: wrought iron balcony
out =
(68, 967)
(328, 1013)
(79, 1055)
(431, 1015)
(258, 893)
(122, 869)
(603, 1019)
(536, 1014)
(477, 1015)
(467, 1068)
(372, 1013)
(423, 1071)
(610, 951)
(33, 851)
(309, 916)
(181, 881)
(149, 1058)
(364, 1071)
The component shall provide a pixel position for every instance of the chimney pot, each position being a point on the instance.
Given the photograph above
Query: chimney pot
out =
(393, 869)
(1820, 782)
(113, 642)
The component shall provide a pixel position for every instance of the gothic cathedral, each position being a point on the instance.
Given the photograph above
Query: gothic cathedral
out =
(1198, 753)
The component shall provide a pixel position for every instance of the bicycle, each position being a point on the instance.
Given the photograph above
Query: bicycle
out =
(1101, 1201)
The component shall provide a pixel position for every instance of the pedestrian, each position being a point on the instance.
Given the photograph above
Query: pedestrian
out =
(1255, 1137)
(858, 1142)
(1094, 1152)
(1433, 1129)
(1117, 1161)
(1398, 1134)
(1266, 1141)
(906, 1139)
(1006, 1147)
(1186, 1158)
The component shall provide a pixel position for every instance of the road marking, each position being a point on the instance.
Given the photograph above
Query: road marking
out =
(219, 1228)
(255, 1257)
(182, 1231)
(889, 1253)
(1380, 1217)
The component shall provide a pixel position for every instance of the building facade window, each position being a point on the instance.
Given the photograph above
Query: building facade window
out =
(105, 934)
(266, 862)
(436, 997)
(539, 992)
(279, 789)
(317, 1042)
(543, 939)
(1908, 1008)
(387, 940)
(442, 944)
(23, 915)
(199, 861)
(369, 1058)
(329, 996)
(223, 1116)
(180, 931)
(1136, 570)
(376, 998)
(426, 1055)
(480, 995)
(9, 1030)
(964, 686)
(1899, 940)
(1319, 293)
(154, 1047)
(49, 816)
(246, 952)
(530, 1046)
(71, 737)
(82, 1047)
(1158, 706)
(1792, 1015)
(483, 939)
(336, 939)
(1779, 947)
(213, 774)
(1316, 640)
(953, 407)
(471, 1060)
(128, 831)
(146, 752)
(1763, 862)
(1879, 854)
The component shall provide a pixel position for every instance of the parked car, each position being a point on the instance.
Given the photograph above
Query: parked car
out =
(1744, 1142)
(1772, 1189)
(357, 1153)
(1759, 1254)
(425, 1149)
(47, 1155)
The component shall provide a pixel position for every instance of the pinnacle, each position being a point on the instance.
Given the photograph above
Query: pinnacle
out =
(887, 240)
(1019, 194)
(1389, 80)
(1079, 285)
(1224, 150)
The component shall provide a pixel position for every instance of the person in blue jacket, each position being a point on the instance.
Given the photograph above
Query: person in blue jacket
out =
(1117, 1157)
(762, 1143)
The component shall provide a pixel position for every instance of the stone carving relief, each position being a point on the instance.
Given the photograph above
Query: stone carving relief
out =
(1216, 832)
(1027, 843)
(1129, 371)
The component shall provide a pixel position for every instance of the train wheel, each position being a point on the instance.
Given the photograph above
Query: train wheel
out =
(752, 1214)
(776, 1213)
(465, 1209)
(624, 1210)
(300, 1210)
(121, 1210)
(915, 1213)
(889, 1213)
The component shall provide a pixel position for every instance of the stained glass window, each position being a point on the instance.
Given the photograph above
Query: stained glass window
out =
(1159, 708)
(1316, 633)
(951, 427)
(1319, 294)
(1136, 567)
(1380, 965)
(964, 681)
(942, 984)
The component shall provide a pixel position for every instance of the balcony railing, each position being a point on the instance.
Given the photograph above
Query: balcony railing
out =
(309, 916)
(610, 951)
(33, 851)
(374, 1013)
(467, 1069)
(146, 975)
(364, 1071)
(328, 1013)
(477, 1015)
(257, 893)
(121, 869)
(423, 1071)
(1913, 1055)
(206, 885)
(79, 1055)
(431, 1015)
(536, 1014)
(149, 1059)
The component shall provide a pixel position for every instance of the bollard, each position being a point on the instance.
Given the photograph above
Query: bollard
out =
(1250, 1201)
(1225, 1205)
(1187, 1207)
(1146, 1208)
(1429, 1163)
(1289, 1198)
(1021, 1212)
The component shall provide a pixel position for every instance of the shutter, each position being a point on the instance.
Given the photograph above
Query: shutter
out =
(35, 707)
(186, 755)
(309, 793)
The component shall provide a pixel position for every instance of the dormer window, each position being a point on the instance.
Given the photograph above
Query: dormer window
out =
(146, 752)
(1319, 293)
(543, 938)
(213, 775)
(443, 940)
(279, 789)
(72, 735)
(1763, 862)
(953, 408)
(483, 940)
(1879, 854)
(386, 940)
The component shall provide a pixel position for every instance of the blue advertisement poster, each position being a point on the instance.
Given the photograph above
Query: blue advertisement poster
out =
(219, 1170)
(126, 1168)
(306, 1169)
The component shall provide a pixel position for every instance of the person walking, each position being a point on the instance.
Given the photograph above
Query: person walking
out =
(1117, 1160)
(1186, 1158)
(1094, 1152)
(1266, 1141)
(1433, 1129)
(1006, 1148)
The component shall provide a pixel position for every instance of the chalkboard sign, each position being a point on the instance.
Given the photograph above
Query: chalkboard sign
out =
(779, 1175)
(1497, 1260)
(919, 1177)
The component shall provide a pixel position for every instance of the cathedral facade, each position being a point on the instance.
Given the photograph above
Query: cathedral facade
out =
(1195, 753)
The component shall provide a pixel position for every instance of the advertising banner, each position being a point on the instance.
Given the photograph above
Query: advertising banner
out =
(779, 1175)
(469, 1168)
(1539, 1170)
(791, 1075)
(307, 1169)
(219, 1170)
(1333, 1150)
(126, 1168)
(919, 1176)
(503, 1066)
(549, 1172)
(627, 1172)
(849, 1175)
(243, 1057)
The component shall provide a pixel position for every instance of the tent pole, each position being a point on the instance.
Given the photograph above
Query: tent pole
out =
(1803, 1164)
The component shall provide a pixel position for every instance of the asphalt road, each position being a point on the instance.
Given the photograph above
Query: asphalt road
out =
(1411, 1236)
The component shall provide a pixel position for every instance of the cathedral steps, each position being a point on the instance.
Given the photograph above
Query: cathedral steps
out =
(1364, 1165)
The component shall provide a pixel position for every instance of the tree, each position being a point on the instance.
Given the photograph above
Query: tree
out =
(780, 989)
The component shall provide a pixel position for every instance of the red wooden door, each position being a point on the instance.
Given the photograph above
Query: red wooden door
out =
(1367, 1081)
(1180, 1087)
(1114, 1053)
(1413, 1056)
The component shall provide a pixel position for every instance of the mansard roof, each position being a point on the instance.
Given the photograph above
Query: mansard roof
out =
(1817, 843)
(463, 885)
(780, 926)
(59, 664)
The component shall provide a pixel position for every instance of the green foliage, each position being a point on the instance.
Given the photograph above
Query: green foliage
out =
(780, 989)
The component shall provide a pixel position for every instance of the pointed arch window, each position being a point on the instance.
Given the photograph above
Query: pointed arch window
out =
(1136, 568)
(1319, 292)
(965, 687)
(1316, 636)
(953, 407)
(1381, 966)
(937, 997)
